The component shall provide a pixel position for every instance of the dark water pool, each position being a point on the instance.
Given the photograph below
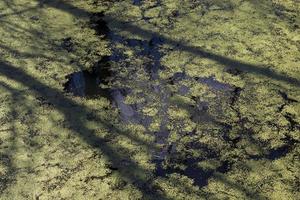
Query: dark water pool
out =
(88, 84)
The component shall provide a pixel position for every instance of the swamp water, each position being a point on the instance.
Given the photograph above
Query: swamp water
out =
(89, 84)
(180, 99)
(197, 120)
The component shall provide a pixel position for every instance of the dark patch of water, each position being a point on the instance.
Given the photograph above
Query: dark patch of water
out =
(235, 95)
(82, 83)
(277, 153)
(102, 69)
(99, 24)
(294, 125)
(67, 44)
(128, 112)
(175, 80)
(183, 90)
(274, 154)
(87, 83)
(209, 81)
(286, 97)
(34, 18)
(199, 175)
(137, 2)
(43, 101)
(142, 48)
(177, 77)
(214, 84)
(136, 43)
(150, 49)
(232, 140)
(234, 71)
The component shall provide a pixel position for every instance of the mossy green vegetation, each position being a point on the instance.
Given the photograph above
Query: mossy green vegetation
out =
(214, 86)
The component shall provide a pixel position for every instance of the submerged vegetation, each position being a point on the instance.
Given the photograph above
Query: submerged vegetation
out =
(149, 99)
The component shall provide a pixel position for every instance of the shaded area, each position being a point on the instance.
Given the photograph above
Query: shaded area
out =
(8, 170)
(6, 178)
(239, 66)
(60, 102)
(247, 67)
(198, 175)
(86, 83)
(129, 27)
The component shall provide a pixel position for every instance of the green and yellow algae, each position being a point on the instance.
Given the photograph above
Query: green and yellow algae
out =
(57, 146)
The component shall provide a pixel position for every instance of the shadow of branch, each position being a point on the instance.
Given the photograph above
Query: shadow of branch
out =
(132, 173)
(197, 51)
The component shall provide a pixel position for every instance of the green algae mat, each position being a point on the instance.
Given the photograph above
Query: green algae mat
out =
(149, 99)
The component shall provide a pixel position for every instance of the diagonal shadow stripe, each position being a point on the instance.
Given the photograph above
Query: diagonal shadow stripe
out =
(61, 103)
(197, 51)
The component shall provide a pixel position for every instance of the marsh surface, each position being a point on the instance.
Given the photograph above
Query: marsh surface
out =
(149, 99)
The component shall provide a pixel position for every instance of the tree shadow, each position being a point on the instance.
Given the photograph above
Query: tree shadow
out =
(132, 173)
(18, 12)
(6, 156)
(197, 51)
(59, 101)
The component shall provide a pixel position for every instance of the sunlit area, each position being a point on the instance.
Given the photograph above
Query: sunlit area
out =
(149, 99)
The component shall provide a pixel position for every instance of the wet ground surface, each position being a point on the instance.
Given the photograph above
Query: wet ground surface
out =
(87, 84)
(162, 99)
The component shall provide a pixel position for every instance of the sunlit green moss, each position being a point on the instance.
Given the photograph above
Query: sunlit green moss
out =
(78, 148)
